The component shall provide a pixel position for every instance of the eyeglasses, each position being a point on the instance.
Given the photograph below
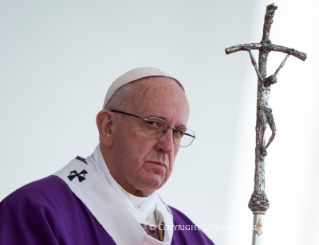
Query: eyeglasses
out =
(156, 127)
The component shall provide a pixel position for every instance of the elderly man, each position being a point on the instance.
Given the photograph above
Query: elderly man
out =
(110, 197)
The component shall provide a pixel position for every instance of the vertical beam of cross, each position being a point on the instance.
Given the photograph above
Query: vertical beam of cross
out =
(259, 202)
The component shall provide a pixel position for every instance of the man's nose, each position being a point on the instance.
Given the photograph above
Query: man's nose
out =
(166, 143)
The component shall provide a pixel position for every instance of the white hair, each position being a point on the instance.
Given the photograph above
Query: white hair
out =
(119, 97)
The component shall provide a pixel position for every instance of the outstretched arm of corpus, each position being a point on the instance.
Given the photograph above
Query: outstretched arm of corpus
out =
(253, 61)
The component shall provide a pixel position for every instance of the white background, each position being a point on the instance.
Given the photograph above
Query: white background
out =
(57, 59)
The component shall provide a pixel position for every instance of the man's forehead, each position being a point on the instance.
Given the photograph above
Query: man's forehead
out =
(134, 75)
(160, 97)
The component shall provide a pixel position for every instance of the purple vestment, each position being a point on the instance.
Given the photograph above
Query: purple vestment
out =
(46, 212)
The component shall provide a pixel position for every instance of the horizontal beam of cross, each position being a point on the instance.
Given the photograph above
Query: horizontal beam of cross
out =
(272, 47)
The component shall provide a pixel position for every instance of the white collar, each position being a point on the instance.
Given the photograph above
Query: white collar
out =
(142, 208)
(135, 200)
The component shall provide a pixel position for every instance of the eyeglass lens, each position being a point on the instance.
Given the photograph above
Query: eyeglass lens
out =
(156, 128)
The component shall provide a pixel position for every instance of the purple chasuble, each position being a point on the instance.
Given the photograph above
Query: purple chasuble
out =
(46, 212)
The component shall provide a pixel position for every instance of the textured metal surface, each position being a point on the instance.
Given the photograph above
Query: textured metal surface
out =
(264, 117)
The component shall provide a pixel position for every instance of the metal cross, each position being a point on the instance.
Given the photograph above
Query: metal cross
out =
(259, 202)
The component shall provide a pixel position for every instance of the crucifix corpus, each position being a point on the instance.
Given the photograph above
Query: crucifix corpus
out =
(258, 202)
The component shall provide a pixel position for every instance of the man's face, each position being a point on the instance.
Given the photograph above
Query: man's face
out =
(143, 164)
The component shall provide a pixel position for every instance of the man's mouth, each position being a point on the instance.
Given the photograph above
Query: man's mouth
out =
(159, 163)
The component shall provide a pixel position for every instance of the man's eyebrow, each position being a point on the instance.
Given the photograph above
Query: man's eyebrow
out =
(164, 118)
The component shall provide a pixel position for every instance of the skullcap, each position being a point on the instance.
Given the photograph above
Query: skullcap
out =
(133, 75)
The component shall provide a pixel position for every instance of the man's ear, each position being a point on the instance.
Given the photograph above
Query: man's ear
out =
(104, 124)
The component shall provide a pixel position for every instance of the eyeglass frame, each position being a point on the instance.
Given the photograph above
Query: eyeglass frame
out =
(168, 126)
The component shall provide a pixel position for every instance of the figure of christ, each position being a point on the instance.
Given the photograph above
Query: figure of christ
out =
(264, 112)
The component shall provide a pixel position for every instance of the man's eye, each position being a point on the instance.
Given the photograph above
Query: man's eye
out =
(153, 124)
(178, 133)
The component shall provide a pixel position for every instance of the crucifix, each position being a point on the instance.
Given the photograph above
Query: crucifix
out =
(259, 202)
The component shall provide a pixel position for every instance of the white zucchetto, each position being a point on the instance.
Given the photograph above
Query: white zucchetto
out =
(134, 75)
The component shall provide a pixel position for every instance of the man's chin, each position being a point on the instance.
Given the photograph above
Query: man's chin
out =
(152, 183)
